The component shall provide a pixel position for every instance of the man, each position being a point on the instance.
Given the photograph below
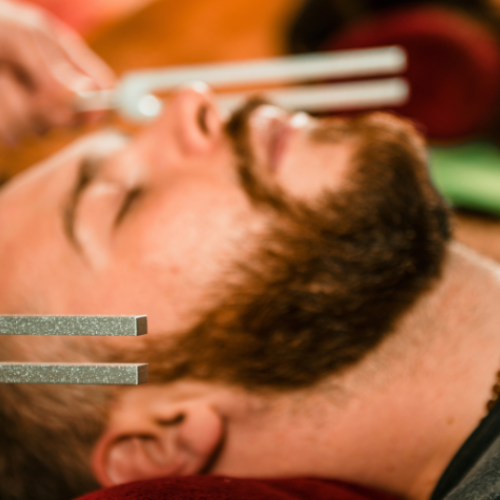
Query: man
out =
(309, 315)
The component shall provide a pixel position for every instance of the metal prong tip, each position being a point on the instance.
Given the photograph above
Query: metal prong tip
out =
(119, 326)
(74, 373)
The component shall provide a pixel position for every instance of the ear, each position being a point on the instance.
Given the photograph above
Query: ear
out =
(148, 436)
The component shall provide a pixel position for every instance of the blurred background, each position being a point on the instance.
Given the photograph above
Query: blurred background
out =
(454, 71)
(131, 34)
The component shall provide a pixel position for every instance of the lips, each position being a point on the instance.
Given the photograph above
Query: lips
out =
(270, 130)
(278, 138)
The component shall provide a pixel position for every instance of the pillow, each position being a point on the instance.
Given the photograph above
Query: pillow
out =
(222, 488)
(453, 66)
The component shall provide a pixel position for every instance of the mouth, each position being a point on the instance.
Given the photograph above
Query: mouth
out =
(278, 138)
(271, 129)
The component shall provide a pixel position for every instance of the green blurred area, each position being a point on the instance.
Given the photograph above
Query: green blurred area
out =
(468, 175)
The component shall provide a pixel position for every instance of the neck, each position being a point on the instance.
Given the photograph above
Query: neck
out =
(395, 421)
(429, 382)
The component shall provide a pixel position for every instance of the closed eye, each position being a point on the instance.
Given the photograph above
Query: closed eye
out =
(88, 170)
(132, 196)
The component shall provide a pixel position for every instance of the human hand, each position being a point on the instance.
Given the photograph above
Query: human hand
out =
(43, 63)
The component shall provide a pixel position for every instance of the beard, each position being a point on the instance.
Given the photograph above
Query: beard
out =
(321, 288)
(329, 279)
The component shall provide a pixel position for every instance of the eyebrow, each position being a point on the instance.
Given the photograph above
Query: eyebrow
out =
(88, 170)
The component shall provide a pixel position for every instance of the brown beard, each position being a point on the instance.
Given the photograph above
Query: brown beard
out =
(331, 279)
(325, 286)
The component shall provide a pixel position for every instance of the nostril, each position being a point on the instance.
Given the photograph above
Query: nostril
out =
(178, 419)
(202, 119)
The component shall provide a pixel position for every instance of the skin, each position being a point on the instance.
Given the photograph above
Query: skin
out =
(189, 218)
(393, 422)
(161, 259)
(43, 63)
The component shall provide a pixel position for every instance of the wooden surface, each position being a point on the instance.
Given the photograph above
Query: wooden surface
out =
(178, 32)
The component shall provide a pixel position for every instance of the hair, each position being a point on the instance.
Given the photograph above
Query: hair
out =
(330, 280)
(47, 433)
(325, 285)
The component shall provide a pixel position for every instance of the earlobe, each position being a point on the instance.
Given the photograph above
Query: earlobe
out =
(135, 458)
(145, 442)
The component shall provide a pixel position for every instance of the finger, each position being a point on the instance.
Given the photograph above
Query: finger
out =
(82, 57)
(50, 60)
(62, 68)
(15, 117)
(55, 99)
(37, 64)
(36, 49)
(51, 76)
(71, 76)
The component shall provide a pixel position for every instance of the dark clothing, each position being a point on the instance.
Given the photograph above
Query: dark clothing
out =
(474, 472)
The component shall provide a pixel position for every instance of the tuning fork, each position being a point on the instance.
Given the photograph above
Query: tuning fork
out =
(74, 373)
(134, 96)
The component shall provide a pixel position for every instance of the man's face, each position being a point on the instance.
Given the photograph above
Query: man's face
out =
(145, 226)
(318, 238)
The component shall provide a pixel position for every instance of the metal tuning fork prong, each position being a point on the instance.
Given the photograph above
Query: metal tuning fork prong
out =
(134, 96)
(74, 373)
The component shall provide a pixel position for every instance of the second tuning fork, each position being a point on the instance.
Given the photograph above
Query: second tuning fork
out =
(134, 96)
(73, 373)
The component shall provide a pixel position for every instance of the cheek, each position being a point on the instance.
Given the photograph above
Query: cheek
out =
(33, 263)
(11, 290)
(309, 169)
(193, 244)
(175, 249)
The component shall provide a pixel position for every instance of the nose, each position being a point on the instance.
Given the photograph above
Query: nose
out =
(190, 120)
